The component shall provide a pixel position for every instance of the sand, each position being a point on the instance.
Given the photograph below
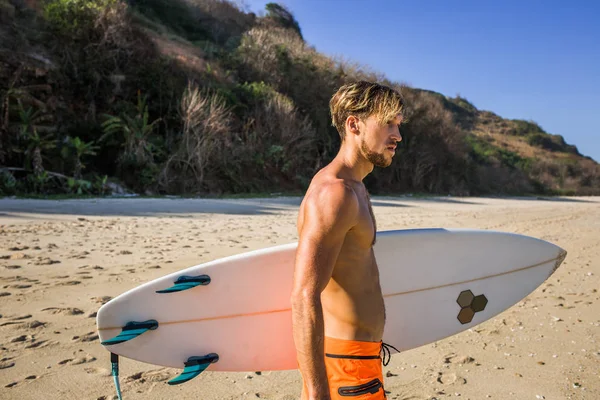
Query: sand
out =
(60, 260)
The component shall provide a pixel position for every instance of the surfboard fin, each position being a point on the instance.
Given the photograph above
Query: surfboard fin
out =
(193, 367)
(186, 282)
(131, 330)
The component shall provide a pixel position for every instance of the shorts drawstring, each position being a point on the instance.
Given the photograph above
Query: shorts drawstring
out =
(385, 349)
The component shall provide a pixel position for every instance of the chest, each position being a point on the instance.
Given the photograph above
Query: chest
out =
(366, 229)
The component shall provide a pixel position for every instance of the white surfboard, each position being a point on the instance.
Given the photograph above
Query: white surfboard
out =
(435, 282)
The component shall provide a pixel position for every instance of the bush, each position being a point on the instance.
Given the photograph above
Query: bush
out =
(277, 142)
(551, 143)
(74, 17)
(283, 17)
(176, 15)
(523, 128)
(8, 183)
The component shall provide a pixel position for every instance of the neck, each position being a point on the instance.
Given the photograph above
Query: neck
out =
(349, 158)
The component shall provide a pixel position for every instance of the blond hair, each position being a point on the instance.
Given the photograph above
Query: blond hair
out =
(363, 99)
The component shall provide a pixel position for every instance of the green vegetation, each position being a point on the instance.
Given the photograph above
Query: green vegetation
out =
(202, 98)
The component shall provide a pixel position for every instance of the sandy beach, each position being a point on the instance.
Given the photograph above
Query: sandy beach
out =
(61, 260)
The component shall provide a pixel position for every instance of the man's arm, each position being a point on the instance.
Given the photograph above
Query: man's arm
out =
(328, 215)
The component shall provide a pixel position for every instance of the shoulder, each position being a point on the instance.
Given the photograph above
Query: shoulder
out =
(333, 201)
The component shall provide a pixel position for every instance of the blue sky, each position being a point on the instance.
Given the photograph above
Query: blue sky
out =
(529, 59)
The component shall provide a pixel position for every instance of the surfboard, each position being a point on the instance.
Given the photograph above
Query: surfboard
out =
(236, 310)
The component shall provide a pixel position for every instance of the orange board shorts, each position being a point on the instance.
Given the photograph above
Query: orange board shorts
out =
(354, 370)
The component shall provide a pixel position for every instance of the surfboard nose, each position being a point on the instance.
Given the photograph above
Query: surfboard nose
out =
(562, 254)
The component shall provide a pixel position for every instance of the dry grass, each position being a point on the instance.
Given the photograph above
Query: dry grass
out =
(205, 123)
(495, 130)
(185, 54)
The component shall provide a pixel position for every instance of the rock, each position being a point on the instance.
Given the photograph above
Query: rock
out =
(118, 190)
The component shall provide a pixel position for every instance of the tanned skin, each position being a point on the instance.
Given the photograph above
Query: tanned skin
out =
(336, 290)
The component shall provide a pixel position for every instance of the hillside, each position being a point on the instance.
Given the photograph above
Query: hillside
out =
(203, 98)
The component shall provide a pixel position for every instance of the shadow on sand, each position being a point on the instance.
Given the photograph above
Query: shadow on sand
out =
(140, 207)
(186, 207)
(558, 199)
(400, 201)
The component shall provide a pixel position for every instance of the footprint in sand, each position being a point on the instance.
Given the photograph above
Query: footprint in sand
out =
(19, 278)
(65, 311)
(450, 378)
(37, 343)
(20, 286)
(97, 371)
(15, 321)
(30, 377)
(16, 256)
(18, 248)
(88, 337)
(80, 256)
(6, 362)
(101, 300)
(157, 375)
(20, 339)
(68, 283)
(95, 267)
(85, 275)
(45, 261)
(22, 317)
(78, 361)
(34, 325)
(30, 341)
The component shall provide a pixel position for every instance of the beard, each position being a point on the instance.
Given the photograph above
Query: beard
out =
(377, 159)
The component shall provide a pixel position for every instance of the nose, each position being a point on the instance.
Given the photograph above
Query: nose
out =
(397, 136)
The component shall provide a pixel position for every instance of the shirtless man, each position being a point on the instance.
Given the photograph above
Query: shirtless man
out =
(337, 305)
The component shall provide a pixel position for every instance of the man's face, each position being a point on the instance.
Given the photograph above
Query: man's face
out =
(378, 142)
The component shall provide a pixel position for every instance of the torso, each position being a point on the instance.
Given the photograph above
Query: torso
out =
(353, 307)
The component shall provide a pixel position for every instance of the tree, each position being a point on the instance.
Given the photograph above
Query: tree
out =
(283, 16)
(79, 149)
(37, 145)
(137, 146)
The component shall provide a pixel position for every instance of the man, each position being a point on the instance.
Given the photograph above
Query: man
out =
(337, 305)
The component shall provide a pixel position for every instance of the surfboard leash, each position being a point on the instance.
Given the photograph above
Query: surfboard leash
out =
(114, 362)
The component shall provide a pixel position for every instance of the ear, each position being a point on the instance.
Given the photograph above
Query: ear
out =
(352, 125)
